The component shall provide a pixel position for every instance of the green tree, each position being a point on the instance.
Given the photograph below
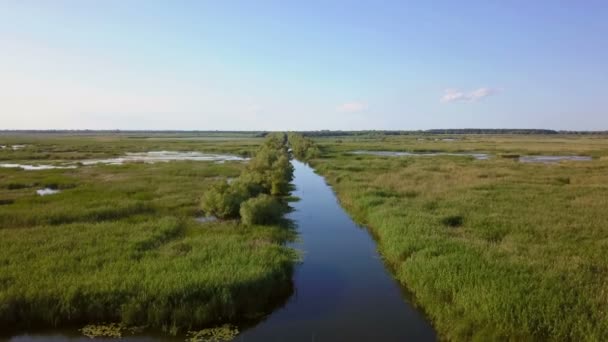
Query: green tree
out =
(263, 209)
(223, 201)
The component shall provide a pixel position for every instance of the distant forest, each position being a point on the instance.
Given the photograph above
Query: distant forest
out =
(449, 131)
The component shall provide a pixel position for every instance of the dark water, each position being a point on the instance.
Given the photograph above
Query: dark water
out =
(343, 291)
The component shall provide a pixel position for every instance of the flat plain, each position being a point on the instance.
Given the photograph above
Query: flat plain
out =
(493, 236)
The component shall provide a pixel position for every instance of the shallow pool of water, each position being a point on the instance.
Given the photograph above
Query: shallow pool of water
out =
(552, 159)
(145, 157)
(205, 219)
(35, 167)
(164, 156)
(47, 191)
(478, 156)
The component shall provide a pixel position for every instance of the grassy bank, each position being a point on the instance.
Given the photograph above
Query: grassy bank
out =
(120, 243)
(490, 249)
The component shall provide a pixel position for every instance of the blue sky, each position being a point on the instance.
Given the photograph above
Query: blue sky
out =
(300, 65)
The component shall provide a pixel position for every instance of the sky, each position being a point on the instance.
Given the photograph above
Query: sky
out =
(303, 65)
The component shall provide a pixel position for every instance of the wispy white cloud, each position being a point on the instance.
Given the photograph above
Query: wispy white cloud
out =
(352, 107)
(455, 95)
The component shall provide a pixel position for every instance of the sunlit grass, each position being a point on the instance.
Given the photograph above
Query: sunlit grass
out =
(120, 244)
(490, 249)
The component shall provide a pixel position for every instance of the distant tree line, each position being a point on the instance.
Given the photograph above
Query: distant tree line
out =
(327, 133)
(490, 131)
(254, 195)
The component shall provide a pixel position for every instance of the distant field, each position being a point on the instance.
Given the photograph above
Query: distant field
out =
(121, 243)
(490, 249)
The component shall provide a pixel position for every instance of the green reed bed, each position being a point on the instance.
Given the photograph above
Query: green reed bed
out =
(490, 249)
(120, 244)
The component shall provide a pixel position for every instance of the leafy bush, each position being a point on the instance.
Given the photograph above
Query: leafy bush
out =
(269, 172)
(250, 184)
(263, 209)
(223, 201)
(303, 148)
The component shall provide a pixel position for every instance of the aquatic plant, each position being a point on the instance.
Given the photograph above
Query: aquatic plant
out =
(222, 333)
(112, 330)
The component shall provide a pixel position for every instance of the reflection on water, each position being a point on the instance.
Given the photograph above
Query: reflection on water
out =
(47, 191)
(163, 156)
(343, 290)
(205, 219)
(145, 157)
(552, 159)
(12, 147)
(478, 156)
(35, 167)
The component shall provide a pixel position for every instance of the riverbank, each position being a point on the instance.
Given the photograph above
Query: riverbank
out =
(490, 249)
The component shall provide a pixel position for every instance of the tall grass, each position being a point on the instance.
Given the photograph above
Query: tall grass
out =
(491, 249)
(120, 244)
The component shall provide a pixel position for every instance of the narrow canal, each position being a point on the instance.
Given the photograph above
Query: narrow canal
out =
(343, 292)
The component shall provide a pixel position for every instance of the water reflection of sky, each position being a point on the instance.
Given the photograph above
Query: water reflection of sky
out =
(145, 157)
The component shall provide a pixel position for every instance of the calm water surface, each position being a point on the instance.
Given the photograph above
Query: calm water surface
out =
(343, 291)
(150, 157)
(478, 156)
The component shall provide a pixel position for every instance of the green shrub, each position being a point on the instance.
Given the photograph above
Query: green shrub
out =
(303, 148)
(263, 209)
(250, 183)
(269, 172)
(223, 201)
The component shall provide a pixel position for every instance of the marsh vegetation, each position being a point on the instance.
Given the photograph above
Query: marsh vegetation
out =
(120, 243)
(491, 249)
(255, 196)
